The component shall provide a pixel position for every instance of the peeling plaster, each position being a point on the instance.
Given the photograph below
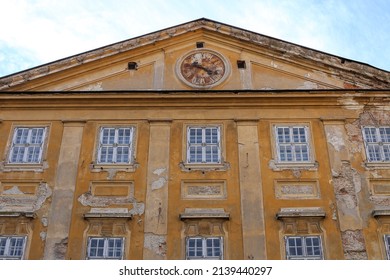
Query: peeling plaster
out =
(350, 103)
(354, 245)
(308, 85)
(161, 181)
(25, 203)
(159, 171)
(60, 249)
(158, 184)
(43, 235)
(273, 64)
(44, 221)
(13, 190)
(138, 209)
(94, 87)
(88, 199)
(335, 138)
(347, 185)
(155, 243)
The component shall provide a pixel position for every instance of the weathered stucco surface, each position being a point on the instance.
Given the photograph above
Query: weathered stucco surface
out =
(352, 175)
(156, 215)
(59, 219)
(252, 209)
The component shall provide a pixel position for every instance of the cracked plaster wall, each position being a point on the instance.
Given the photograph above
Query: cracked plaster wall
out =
(351, 178)
(156, 205)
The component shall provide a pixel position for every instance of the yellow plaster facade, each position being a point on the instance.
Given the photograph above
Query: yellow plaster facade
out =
(267, 148)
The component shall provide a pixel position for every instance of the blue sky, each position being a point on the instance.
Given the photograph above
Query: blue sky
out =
(34, 32)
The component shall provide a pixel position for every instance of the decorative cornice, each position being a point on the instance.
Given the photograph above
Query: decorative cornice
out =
(381, 213)
(204, 213)
(301, 212)
(15, 214)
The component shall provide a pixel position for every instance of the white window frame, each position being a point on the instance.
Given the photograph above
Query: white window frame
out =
(387, 245)
(292, 144)
(22, 148)
(115, 146)
(204, 248)
(304, 241)
(377, 147)
(7, 250)
(105, 248)
(203, 146)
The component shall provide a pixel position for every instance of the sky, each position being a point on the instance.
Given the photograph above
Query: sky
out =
(35, 32)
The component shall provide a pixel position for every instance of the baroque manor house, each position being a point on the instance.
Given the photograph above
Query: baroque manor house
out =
(199, 141)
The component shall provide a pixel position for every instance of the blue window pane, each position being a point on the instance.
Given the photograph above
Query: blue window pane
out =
(3, 241)
(198, 138)
(108, 136)
(106, 154)
(16, 247)
(370, 134)
(386, 152)
(21, 136)
(33, 154)
(124, 136)
(17, 154)
(374, 153)
(37, 135)
(122, 154)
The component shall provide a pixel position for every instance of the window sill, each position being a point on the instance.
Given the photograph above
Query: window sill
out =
(34, 167)
(279, 166)
(381, 213)
(204, 213)
(307, 212)
(187, 167)
(376, 165)
(99, 167)
(108, 213)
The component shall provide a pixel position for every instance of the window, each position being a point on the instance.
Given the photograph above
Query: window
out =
(387, 244)
(204, 144)
(105, 248)
(12, 247)
(116, 145)
(303, 248)
(204, 248)
(377, 143)
(27, 145)
(292, 143)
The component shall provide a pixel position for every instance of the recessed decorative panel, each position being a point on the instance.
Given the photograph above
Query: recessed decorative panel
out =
(203, 189)
(297, 190)
(18, 188)
(112, 189)
(380, 187)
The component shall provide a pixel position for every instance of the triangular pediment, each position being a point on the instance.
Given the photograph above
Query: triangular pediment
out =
(234, 59)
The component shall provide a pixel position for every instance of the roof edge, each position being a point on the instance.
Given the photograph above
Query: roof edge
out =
(289, 49)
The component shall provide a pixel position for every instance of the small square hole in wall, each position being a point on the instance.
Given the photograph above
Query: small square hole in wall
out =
(199, 44)
(132, 65)
(241, 64)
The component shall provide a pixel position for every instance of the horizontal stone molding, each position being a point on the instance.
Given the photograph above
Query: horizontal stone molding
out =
(301, 212)
(202, 213)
